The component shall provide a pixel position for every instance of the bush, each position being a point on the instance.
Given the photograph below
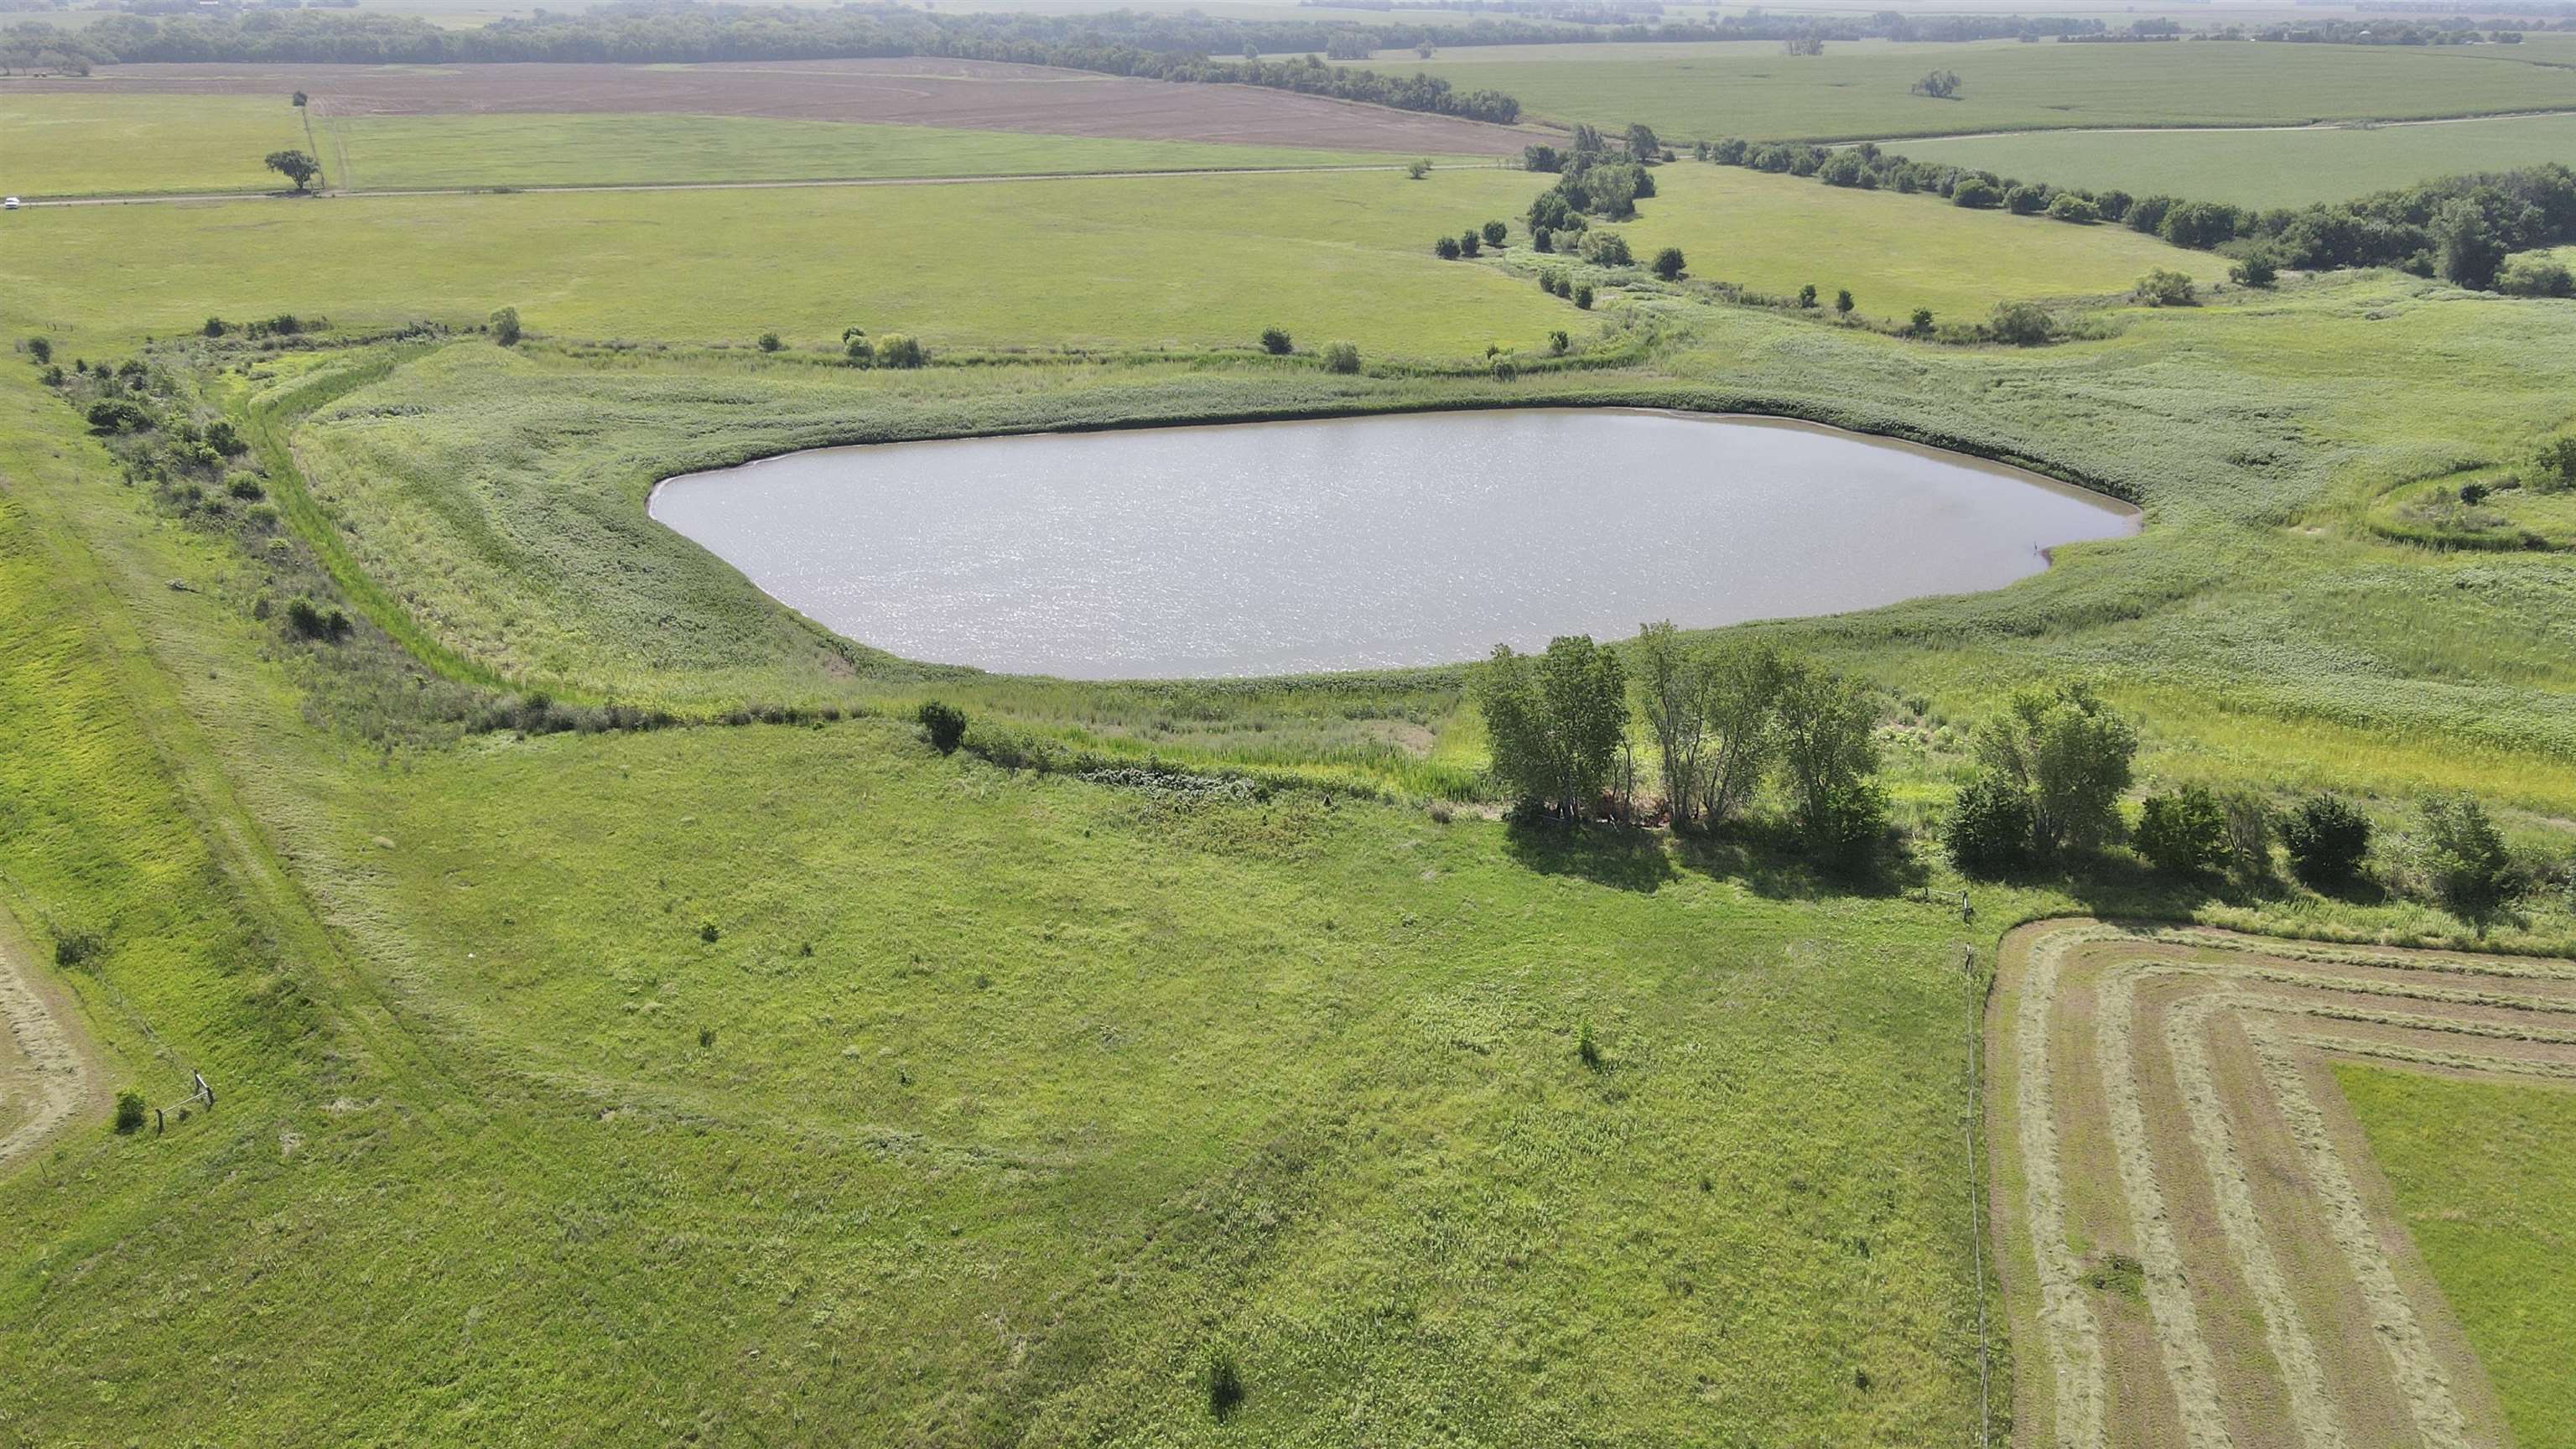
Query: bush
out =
(216, 327)
(2022, 324)
(1495, 231)
(72, 947)
(1921, 324)
(1274, 340)
(1542, 239)
(769, 342)
(1843, 302)
(2026, 200)
(2472, 875)
(2184, 833)
(1583, 296)
(1223, 1380)
(2251, 825)
(1807, 295)
(130, 1111)
(2326, 836)
(896, 350)
(2254, 272)
(1558, 343)
(1608, 249)
(245, 486)
(1585, 1048)
(1469, 244)
(1975, 192)
(1446, 249)
(1341, 357)
(41, 349)
(2535, 277)
(945, 724)
(308, 620)
(505, 327)
(2165, 287)
(1505, 368)
(1669, 264)
(2554, 466)
(1988, 832)
(2067, 206)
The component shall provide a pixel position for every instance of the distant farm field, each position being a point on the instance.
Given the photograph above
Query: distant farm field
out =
(86, 145)
(2262, 168)
(1895, 253)
(393, 152)
(976, 95)
(1862, 89)
(1124, 261)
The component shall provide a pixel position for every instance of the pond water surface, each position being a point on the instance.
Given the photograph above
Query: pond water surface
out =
(1354, 543)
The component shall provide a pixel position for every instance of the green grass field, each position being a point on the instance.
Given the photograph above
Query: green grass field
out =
(2485, 1173)
(773, 1083)
(76, 145)
(1191, 260)
(395, 152)
(1896, 253)
(2263, 168)
(1860, 90)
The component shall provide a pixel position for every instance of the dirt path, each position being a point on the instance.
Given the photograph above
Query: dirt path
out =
(151, 198)
(49, 1072)
(1892, 142)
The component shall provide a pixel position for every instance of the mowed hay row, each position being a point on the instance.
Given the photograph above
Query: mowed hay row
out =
(2197, 1248)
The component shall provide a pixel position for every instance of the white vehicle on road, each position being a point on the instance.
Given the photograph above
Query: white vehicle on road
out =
(8, 203)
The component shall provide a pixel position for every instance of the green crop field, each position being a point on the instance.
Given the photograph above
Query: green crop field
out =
(1193, 259)
(2262, 168)
(75, 145)
(394, 152)
(1777, 233)
(1861, 89)
(2486, 1176)
(754, 1073)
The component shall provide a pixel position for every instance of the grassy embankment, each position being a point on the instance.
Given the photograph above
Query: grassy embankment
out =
(2262, 168)
(1077, 1084)
(1862, 90)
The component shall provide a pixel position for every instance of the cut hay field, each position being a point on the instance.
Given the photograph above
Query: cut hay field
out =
(1206, 260)
(77, 145)
(396, 152)
(2262, 168)
(2197, 1244)
(1861, 90)
(1775, 233)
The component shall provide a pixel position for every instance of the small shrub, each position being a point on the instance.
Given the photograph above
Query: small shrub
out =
(1583, 296)
(2068, 207)
(1418, 169)
(1843, 302)
(216, 327)
(1274, 340)
(1585, 1048)
(1921, 324)
(2254, 272)
(130, 1111)
(74, 946)
(246, 487)
(706, 1037)
(1558, 344)
(1341, 357)
(2473, 494)
(2022, 324)
(2472, 874)
(769, 342)
(1505, 368)
(1446, 249)
(2184, 833)
(2165, 287)
(1607, 249)
(1669, 264)
(944, 723)
(1469, 243)
(2251, 826)
(1542, 239)
(41, 349)
(1807, 295)
(1222, 1377)
(306, 619)
(505, 327)
(709, 932)
(897, 350)
(1975, 192)
(1988, 832)
(1495, 231)
(2326, 837)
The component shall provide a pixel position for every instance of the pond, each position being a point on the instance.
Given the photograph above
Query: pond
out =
(1352, 543)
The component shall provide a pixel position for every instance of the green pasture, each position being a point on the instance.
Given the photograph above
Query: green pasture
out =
(98, 145)
(788, 1082)
(1099, 261)
(1861, 89)
(1895, 253)
(2485, 1176)
(2262, 168)
(396, 152)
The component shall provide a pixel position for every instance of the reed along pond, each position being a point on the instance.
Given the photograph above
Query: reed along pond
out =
(1353, 543)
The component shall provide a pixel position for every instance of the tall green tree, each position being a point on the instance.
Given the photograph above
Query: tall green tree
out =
(295, 166)
(1827, 750)
(1554, 722)
(2070, 752)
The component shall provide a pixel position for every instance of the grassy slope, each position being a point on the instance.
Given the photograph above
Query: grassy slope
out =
(1862, 89)
(1895, 253)
(2263, 168)
(2493, 1210)
(389, 152)
(76, 145)
(1195, 259)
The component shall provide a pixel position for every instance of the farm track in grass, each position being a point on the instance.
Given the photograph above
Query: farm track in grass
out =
(2197, 1246)
(969, 94)
(48, 1070)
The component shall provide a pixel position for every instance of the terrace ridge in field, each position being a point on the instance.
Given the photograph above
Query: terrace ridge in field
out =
(2197, 1246)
